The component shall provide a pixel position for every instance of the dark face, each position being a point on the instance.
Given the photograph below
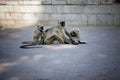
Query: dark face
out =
(62, 23)
(73, 34)
(41, 27)
(74, 37)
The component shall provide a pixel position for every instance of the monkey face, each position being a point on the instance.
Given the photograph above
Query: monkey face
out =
(62, 23)
(73, 33)
(40, 27)
(75, 37)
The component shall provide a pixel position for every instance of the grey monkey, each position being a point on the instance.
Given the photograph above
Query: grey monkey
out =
(38, 34)
(58, 33)
(75, 37)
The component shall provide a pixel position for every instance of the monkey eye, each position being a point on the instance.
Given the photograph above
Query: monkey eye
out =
(74, 33)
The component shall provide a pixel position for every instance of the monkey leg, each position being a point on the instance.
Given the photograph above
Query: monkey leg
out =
(36, 40)
(49, 40)
(66, 40)
(82, 42)
(61, 41)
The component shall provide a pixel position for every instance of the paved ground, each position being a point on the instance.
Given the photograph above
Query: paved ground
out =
(97, 60)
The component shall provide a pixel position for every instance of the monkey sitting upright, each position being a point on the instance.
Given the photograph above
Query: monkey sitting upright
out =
(38, 34)
(58, 33)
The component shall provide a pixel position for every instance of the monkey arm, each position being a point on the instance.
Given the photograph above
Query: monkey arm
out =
(67, 33)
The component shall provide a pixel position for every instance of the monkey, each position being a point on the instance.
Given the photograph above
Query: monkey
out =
(58, 33)
(75, 37)
(38, 33)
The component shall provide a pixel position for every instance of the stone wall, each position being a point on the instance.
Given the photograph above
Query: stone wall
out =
(17, 13)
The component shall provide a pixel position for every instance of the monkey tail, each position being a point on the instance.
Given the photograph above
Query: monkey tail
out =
(29, 46)
(27, 42)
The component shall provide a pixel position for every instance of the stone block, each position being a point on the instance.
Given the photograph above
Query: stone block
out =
(2, 16)
(47, 23)
(58, 9)
(105, 9)
(29, 16)
(117, 20)
(110, 20)
(76, 17)
(58, 1)
(13, 16)
(93, 1)
(77, 9)
(5, 8)
(30, 8)
(67, 9)
(2, 2)
(72, 17)
(7, 23)
(57, 17)
(24, 23)
(46, 2)
(36, 9)
(43, 17)
(115, 9)
(16, 16)
(91, 19)
(101, 19)
(37, 17)
(106, 1)
(34, 2)
(8, 16)
(46, 9)
(25, 2)
(17, 8)
(84, 17)
(91, 9)
(75, 23)
(82, 2)
(13, 2)
(73, 9)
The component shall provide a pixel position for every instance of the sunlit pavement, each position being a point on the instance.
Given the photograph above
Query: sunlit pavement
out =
(99, 59)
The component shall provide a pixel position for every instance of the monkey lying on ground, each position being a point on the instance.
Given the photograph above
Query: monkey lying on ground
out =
(75, 37)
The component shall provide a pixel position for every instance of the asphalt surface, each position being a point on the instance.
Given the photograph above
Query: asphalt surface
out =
(99, 59)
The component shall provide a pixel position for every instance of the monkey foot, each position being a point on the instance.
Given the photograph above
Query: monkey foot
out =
(82, 42)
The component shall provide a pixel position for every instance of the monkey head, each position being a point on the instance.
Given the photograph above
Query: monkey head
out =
(73, 33)
(61, 23)
(40, 27)
(75, 39)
